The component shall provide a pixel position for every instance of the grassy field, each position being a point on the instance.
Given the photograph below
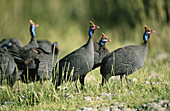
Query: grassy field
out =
(62, 22)
(149, 84)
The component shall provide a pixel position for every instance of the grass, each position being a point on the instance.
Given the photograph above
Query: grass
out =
(62, 22)
(152, 85)
(152, 79)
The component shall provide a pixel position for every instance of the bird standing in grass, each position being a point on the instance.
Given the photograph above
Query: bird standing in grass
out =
(7, 64)
(34, 62)
(125, 60)
(78, 63)
(38, 66)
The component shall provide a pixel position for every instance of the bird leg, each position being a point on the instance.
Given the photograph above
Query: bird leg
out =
(59, 78)
(126, 77)
(77, 85)
(121, 80)
(1, 82)
(81, 78)
(10, 81)
(103, 81)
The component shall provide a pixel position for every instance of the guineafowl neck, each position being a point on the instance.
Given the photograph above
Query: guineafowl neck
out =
(145, 48)
(145, 44)
(90, 41)
(33, 39)
(55, 51)
(102, 45)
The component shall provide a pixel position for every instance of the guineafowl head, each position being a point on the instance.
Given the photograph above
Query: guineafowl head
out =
(16, 42)
(7, 45)
(147, 33)
(32, 28)
(104, 39)
(55, 48)
(54, 45)
(92, 28)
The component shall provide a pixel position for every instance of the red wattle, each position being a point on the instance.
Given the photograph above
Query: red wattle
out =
(150, 32)
(94, 28)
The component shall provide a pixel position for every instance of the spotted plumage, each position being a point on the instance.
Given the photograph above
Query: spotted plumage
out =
(79, 62)
(125, 60)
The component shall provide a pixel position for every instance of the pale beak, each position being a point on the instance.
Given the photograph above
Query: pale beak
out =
(109, 40)
(36, 25)
(97, 27)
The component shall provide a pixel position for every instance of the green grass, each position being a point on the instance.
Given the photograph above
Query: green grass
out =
(67, 23)
(39, 96)
(156, 70)
(44, 96)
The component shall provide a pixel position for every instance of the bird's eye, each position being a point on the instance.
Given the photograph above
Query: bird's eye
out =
(105, 39)
(148, 32)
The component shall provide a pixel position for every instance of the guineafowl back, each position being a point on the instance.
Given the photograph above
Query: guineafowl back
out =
(80, 60)
(39, 62)
(45, 44)
(124, 60)
(46, 64)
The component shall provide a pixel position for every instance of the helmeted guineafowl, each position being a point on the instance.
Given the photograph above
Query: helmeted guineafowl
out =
(35, 63)
(100, 51)
(8, 67)
(40, 65)
(7, 64)
(33, 42)
(125, 60)
(78, 63)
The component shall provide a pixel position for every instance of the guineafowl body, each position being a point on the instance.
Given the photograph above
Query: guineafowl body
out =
(125, 60)
(48, 47)
(39, 63)
(45, 44)
(8, 67)
(80, 61)
(35, 63)
(3, 41)
(7, 64)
